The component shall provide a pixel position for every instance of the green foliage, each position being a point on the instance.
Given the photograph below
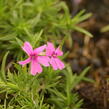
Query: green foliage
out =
(2, 71)
(105, 28)
(37, 21)
(48, 90)
(34, 20)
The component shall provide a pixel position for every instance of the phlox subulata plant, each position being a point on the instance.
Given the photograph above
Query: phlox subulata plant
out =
(36, 76)
(51, 89)
(23, 20)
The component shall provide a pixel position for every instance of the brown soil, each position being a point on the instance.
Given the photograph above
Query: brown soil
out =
(92, 51)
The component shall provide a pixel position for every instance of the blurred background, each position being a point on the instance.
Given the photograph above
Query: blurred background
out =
(92, 51)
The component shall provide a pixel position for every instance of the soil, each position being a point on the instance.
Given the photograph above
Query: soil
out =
(92, 52)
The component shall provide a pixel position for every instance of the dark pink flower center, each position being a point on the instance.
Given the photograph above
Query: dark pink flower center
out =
(33, 56)
(54, 54)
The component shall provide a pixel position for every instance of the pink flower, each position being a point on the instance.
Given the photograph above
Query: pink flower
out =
(53, 53)
(34, 58)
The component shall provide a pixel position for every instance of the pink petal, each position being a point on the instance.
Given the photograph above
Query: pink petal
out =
(25, 61)
(27, 48)
(39, 49)
(53, 63)
(44, 60)
(59, 63)
(59, 52)
(35, 67)
(49, 49)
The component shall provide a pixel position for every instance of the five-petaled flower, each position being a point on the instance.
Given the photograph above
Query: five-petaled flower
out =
(35, 58)
(53, 54)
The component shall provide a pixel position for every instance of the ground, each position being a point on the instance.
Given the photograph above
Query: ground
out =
(92, 51)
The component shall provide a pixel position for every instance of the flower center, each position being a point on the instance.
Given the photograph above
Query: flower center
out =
(33, 56)
(54, 54)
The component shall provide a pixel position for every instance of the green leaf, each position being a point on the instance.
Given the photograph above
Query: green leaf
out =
(105, 29)
(36, 38)
(81, 76)
(7, 37)
(83, 31)
(20, 42)
(2, 72)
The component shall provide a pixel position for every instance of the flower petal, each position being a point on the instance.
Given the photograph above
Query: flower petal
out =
(27, 48)
(25, 61)
(59, 63)
(35, 67)
(53, 63)
(39, 49)
(59, 52)
(44, 60)
(49, 49)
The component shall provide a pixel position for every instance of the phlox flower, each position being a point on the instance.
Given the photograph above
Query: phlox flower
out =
(35, 58)
(53, 54)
